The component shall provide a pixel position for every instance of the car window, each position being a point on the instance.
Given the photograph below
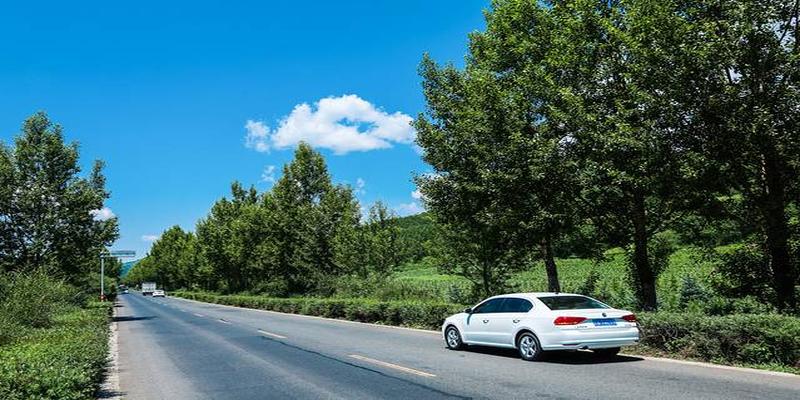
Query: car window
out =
(571, 302)
(515, 305)
(490, 306)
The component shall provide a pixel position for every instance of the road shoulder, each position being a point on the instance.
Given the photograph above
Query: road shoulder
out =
(109, 389)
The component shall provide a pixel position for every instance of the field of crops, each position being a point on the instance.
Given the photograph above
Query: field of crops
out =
(605, 279)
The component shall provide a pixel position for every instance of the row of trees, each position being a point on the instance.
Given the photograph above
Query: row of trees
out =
(293, 239)
(622, 115)
(50, 218)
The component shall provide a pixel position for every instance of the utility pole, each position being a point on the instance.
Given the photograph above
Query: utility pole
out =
(102, 278)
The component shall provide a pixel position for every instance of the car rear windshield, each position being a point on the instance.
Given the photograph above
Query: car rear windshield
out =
(570, 302)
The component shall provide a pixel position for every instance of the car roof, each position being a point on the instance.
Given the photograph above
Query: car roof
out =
(535, 294)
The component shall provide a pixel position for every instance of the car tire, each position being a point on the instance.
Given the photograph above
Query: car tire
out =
(607, 353)
(452, 338)
(529, 348)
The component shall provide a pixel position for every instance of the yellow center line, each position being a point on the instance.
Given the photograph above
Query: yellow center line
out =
(275, 335)
(393, 366)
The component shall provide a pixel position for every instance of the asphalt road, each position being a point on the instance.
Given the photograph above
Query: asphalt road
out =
(178, 349)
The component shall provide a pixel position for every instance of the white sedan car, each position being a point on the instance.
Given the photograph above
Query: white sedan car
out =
(534, 323)
(159, 293)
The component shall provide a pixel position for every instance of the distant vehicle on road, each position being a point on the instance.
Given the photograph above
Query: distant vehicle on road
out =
(148, 288)
(159, 293)
(534, 323)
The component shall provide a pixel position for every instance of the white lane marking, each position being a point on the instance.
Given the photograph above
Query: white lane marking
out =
(199, 315)
(344, 321)
(275, 335)
(393, 366)
(223, 321)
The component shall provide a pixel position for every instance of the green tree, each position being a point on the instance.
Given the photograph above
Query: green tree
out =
(382, 235)
(488, 134)
(231, 239)
(314, 219)
(340, 216)
(173, 257)
(614, 64)
(48, 213)
(748, 106)
(463, 134)
(301, 187)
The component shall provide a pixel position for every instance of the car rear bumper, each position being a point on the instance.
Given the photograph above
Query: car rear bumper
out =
(576, 339)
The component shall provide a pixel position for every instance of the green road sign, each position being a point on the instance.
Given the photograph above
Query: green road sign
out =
(122, 253)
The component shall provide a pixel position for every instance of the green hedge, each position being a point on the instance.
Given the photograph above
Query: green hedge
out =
(416, 314)
(732, 339)
(751, 339)
(64, 361)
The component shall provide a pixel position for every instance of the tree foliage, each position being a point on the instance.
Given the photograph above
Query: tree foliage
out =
(292, 239)
(48, 212)
(626, 116)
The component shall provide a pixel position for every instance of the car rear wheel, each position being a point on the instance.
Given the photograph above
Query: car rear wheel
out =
(453, 338)
(607, 353)
(529, 348)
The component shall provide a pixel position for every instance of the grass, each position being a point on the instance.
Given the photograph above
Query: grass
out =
(611, 285)
(62, 361)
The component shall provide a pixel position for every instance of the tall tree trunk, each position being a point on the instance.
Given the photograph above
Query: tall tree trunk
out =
(645, 278)
(784, 273)
(487, 285)
(546, 248)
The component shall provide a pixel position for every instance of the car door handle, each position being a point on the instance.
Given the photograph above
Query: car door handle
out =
(486, 321)
(516, 321)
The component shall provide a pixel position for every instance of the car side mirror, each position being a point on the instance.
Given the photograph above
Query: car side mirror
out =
(468, 310)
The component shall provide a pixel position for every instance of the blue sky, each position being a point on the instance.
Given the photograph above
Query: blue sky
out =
(181, 98)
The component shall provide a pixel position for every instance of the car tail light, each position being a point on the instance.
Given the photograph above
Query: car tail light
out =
(629, 318)
(569, 320)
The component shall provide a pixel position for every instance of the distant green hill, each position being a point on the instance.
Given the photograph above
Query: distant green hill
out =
(126, 266)
(415, 233)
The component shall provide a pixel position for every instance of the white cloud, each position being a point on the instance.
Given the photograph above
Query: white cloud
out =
(150, 238)
(341, 124)
(102, 214)
(405, 209)
(360, 184)
(268, 175)
(257, 135)
(416, 195)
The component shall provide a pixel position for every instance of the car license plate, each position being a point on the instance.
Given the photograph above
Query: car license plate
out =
(604, 322)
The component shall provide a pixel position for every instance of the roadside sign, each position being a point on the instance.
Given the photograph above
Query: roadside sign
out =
(111, 254)
(120, 253)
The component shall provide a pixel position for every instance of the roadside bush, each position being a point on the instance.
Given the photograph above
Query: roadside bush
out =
(725, 306)
(589, 285)
(30, 300)
(691, 291)
(418, 314)
(737, 339)
(62, 362)
(743, 271)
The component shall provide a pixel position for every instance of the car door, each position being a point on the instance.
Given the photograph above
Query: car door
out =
(478, 323)
(504, 323)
